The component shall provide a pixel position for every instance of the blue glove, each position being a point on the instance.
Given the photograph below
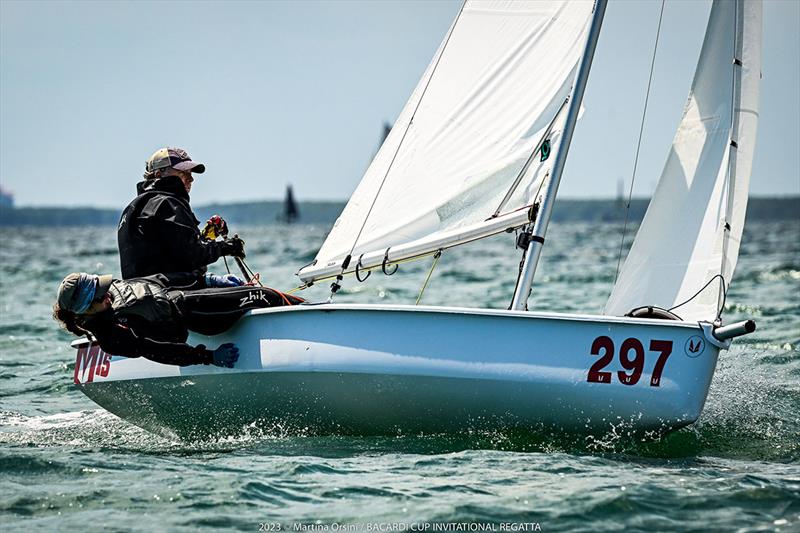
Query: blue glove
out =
(228, 280)
(226, 355)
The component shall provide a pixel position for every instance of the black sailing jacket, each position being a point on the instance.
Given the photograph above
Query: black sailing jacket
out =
(158, 232)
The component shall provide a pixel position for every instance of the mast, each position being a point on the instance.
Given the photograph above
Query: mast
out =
(532, 254)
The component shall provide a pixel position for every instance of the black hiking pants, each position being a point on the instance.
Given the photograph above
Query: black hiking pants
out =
(213, 311)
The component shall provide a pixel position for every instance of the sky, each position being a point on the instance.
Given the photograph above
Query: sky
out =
(267, 93)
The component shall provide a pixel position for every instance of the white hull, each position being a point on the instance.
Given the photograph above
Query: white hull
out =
(382, 369)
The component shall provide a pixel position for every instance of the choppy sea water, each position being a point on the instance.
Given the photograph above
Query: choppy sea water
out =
(65, 464)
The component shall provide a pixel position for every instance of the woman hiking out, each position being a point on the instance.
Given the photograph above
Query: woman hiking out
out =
(151, 316)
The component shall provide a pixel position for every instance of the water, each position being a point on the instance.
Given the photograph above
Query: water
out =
(64, 464)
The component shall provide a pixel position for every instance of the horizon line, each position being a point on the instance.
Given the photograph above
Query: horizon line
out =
(795, 196)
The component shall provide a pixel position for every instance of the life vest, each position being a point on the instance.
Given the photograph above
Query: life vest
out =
(144, 305)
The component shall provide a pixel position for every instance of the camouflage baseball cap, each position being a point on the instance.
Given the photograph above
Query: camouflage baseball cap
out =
(78, 290)
(173, 157)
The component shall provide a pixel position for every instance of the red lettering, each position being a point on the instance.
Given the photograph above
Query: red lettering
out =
(91, 361)
(634, 365)
(94, 352)
(105, 365)
(665, 348)
(595, 373)
(78, 360)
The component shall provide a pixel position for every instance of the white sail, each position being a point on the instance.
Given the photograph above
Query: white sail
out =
(693, 226)
(496, 83)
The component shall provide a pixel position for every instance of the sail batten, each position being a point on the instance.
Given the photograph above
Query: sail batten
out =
(479, 110)
(693, 225)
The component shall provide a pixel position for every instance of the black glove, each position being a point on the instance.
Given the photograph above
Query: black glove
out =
(226, 355)
(234, 247)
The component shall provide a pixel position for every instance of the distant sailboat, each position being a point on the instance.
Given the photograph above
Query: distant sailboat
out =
(387, 129)
(290, 212)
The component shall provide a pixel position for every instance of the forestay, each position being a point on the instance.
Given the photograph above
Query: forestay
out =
(693, 226)
(496, 83)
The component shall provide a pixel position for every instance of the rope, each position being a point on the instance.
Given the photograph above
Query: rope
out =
(298, 288)
(639, 142)
(252, 274)
(405, 133)
(283, 297)
(436, 257)
(724, 295)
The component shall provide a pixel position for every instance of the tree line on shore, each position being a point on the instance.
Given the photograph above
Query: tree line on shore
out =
(326, 212)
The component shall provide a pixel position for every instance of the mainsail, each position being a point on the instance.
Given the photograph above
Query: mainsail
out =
(693, 226)
(495, 87)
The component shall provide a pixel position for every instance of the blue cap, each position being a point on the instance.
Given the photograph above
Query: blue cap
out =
(78, 290)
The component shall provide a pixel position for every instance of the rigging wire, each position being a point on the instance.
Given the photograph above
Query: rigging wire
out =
(436, 257)
(405, 133)
(639, 142)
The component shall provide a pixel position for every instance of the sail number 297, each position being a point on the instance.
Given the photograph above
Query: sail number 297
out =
(632, 359)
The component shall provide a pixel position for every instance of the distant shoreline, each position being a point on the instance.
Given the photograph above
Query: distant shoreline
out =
(326, 212)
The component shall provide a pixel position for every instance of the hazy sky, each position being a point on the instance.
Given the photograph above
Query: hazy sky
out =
(268, 93)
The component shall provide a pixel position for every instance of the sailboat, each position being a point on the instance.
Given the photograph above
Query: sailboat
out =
(480, 149)
(290, 212)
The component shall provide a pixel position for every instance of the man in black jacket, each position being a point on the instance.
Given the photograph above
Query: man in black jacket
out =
(158, 232)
